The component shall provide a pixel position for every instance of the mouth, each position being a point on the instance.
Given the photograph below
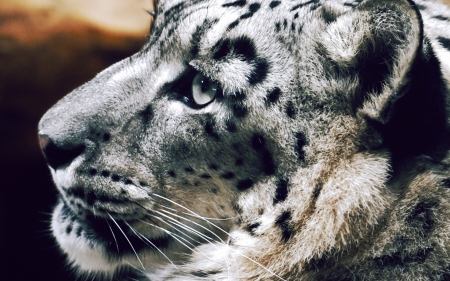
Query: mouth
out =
(117, 237)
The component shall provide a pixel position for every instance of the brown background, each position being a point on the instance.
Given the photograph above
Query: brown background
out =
(48, 48)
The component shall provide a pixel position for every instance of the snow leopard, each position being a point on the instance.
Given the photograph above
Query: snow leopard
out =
(262, 140)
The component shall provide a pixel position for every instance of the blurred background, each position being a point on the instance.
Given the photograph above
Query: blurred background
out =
(47, 49)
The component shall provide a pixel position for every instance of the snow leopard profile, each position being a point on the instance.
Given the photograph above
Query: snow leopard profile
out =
(262, 140)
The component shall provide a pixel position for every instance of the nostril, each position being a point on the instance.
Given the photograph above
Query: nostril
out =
(57, 156)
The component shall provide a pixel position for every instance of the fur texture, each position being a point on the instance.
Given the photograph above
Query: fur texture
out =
(262, 140)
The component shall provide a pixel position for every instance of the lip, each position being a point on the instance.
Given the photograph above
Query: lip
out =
(116, 236)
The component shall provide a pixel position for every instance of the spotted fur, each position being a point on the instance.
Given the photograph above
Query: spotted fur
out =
(323, 154)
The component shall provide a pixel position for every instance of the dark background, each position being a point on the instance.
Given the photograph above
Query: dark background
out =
(42, 58)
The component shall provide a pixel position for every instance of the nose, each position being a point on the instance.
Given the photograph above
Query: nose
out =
(57, 156)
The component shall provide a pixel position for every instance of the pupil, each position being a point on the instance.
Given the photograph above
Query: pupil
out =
(205, 85)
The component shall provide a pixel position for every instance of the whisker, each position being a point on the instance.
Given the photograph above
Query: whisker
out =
(195, 214)
(207, 218)
(141, 236)
(169, 232)
(175, 227)
(192, 229)
(175, 203)
(173, 236)
(114, 236)
(127, 240)
(212, 224)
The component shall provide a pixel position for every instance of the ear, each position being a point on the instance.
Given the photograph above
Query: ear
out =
(400, 90)
(378, 42)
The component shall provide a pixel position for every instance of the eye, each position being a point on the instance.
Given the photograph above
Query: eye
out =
(203, 89)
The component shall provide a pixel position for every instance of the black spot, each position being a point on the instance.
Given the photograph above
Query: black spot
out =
(205, 176)
(93, 172)
(141, 183)
(277, 27)
(445, 42)
(301, 142)
(285, 23)
(296, 16)
(291, 111)
(78, 231)
(350, 5)
(239, 3)
(147, 114)
(422, 217)
(446, 183)
(259, 72)
(258, 142)
(213, 166)
(105, 173)
(239, 162)
(304, 4)
(246, 16)
(209, 129)
(127, 181)
(316, 193)
(115, 177)
(254, 7)
(172, 174)
(233, 25)
(228, 175)
(189, 169)
(274, 4)
(244, 184)
(251, 227)
(244, 47)
(281, 192)
(439, 17)
(230, 126)
(283, 223)
(240, 110)
(106, 137)
(274, 95)
(69, 229)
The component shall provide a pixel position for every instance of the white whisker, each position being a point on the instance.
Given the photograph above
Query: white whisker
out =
(127, 240)
(186, 227)
(195, 214)
(112, 232)
(142, 237)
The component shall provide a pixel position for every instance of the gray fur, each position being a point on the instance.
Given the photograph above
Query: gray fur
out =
(324, 155)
